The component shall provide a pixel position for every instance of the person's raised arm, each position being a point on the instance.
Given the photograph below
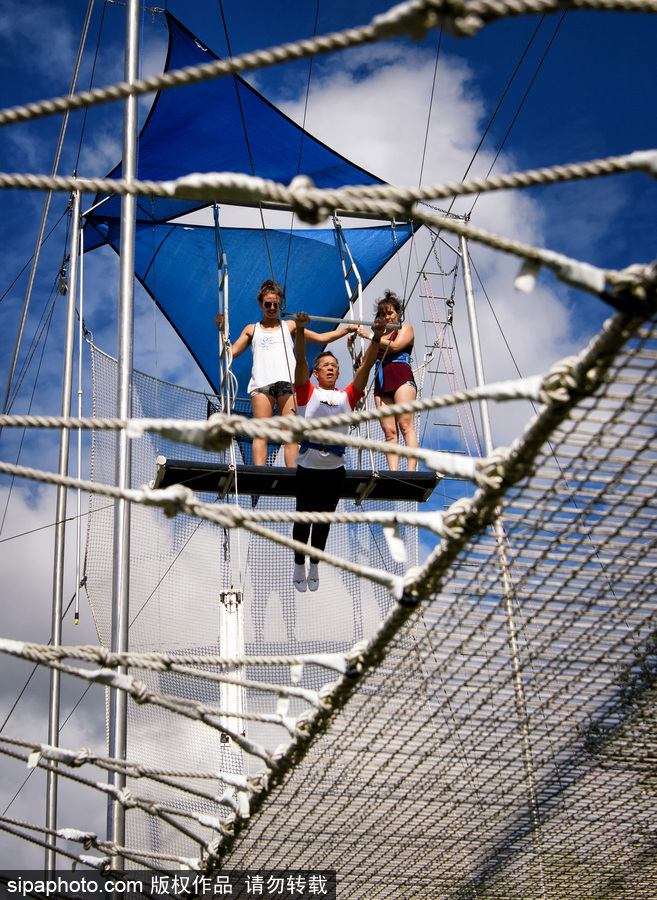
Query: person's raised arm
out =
(327, 337)
(363, 372)
(301, 369)
(404, 339)
(243, 340)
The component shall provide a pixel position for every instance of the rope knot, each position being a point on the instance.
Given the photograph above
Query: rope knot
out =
(634, 290)
(83, 755)
(176, 498)
(104, 656)
(355, 659)
(560, 382)
(419, 17)
(124, 797)
(216, 436)
(307, 201)
(490, 471)
(140, 693)
(454, 518)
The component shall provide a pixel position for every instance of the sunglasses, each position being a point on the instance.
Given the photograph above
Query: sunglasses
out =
(268, 304)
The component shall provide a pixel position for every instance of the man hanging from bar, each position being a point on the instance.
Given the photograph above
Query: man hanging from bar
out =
(320, 470)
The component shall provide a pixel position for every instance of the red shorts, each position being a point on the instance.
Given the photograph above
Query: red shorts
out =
(391, 376)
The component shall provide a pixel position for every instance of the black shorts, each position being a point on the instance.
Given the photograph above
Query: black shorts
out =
(275, 390)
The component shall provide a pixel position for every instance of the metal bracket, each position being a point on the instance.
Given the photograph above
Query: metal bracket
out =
(231, 599)
(363, 491)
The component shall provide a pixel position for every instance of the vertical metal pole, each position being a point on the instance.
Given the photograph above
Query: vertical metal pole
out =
(60, 522)
(121, 562)
(78, 530)
(225, 356)
(476, 345)
(498, 529)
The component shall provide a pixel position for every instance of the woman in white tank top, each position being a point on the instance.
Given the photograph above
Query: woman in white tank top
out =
(272, 376)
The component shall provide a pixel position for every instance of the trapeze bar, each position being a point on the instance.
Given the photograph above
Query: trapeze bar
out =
(220, 478)
(389, 326)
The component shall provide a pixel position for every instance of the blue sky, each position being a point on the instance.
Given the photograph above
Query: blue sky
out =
(593, 95)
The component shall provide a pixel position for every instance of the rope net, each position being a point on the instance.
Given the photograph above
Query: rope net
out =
(493, 732)
(448, 776)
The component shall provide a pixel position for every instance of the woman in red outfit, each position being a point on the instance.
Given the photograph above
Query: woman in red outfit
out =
(394, 381)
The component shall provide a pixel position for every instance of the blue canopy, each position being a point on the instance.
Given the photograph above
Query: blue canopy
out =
(177, 264)
(224, 125)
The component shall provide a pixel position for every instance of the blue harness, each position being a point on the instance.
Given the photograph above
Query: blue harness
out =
(402, 356)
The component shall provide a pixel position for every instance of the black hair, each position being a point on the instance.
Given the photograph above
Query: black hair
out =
(321, 355)
(389, 299)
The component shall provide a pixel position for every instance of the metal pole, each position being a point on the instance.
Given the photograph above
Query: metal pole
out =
(498, 529)
(314, 318)
(476, 345)
(78, 530)
(60, 523)
(121, 563)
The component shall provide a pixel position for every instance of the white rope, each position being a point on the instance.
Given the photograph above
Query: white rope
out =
(85, 756)
(313, 206)
(171, 778)
(414, 18)
(130, 801)
(302, 192)
(141, 694)
(194, 431)
(159, 662)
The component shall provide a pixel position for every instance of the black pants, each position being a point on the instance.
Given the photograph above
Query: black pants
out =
(317, 490)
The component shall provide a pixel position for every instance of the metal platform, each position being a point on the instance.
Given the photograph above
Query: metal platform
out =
(360, 485)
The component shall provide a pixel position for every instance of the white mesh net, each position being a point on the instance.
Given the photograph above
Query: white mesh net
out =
(178, 569)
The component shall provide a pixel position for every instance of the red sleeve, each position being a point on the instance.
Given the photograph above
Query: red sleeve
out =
(304, 393)
(353, 395)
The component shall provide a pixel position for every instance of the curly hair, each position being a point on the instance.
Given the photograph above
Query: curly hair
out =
(271, 287)
(389, 299)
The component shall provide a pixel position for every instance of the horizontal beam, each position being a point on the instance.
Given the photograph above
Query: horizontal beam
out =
(221, 478)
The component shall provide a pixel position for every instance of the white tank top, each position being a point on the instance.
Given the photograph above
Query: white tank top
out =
(273, 356)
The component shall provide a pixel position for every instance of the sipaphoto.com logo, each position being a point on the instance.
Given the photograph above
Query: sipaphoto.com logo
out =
(68, 885)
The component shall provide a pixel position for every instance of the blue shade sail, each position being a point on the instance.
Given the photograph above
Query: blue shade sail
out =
(204, 128)
(177, 264)
(224, 125)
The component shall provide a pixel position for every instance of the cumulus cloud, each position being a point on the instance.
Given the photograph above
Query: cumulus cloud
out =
(26, 562)
(376, 111)
(22, 30)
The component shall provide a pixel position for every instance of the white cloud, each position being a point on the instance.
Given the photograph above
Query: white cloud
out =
(375, 111)
(26, 563)
(22, 30)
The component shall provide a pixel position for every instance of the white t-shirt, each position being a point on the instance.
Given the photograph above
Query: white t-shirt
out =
(315, 403)
(273, 356)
